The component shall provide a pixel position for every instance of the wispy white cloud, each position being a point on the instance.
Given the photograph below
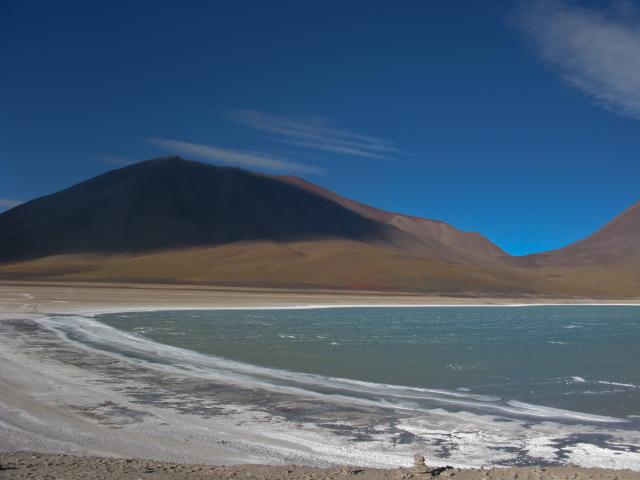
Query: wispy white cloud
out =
(6, 203)
(238, 158)
(596, 51)
(316, 135)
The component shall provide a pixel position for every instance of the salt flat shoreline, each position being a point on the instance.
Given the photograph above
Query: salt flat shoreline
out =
(88, 297)
(26, 401)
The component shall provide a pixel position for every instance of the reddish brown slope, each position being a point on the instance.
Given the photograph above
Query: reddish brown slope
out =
(470, 245)
(617, 243)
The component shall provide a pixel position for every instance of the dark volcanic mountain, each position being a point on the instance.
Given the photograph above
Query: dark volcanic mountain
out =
(171, 202)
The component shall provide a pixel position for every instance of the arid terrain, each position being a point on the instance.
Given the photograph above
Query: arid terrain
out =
(26, 465)
(173, 221)
(68, 297)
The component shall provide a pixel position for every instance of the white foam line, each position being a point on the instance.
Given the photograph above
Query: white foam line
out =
(537, 410)
(321, 306)
(242, 372)
(618, 384)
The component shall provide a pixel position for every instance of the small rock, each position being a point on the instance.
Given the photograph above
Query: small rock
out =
(419, 465)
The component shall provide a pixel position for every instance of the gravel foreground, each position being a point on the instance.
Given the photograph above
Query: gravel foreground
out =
(27, 465)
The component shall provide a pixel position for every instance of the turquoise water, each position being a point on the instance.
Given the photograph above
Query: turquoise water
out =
(579, 358)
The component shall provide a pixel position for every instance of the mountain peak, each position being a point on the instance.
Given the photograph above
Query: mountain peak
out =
(171, 202)
(167, 161)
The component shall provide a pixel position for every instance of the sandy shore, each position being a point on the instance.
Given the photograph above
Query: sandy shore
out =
(28, 465)
(58, 398)
(69, 297)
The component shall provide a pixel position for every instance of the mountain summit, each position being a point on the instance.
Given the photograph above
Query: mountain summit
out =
(171, 202)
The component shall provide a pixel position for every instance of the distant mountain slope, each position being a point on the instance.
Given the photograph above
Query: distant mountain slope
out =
(169, 203)
(617, 243)
(322, 264)
(467, 244)
(176, 221)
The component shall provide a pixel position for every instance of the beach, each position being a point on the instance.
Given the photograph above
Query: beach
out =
(61, 397)
(28, 465)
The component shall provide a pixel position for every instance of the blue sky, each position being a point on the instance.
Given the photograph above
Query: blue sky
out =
(518, 120)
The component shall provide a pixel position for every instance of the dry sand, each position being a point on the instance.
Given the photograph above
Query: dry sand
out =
(73, 297)
(29, 465)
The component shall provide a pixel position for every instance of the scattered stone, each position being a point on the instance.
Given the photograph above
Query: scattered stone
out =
(419, 464)
(444, 471)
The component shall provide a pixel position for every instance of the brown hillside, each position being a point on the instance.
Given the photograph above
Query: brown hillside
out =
(470, 245)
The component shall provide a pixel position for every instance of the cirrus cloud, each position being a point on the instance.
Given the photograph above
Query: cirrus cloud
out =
(315, 135)
(595, 51)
